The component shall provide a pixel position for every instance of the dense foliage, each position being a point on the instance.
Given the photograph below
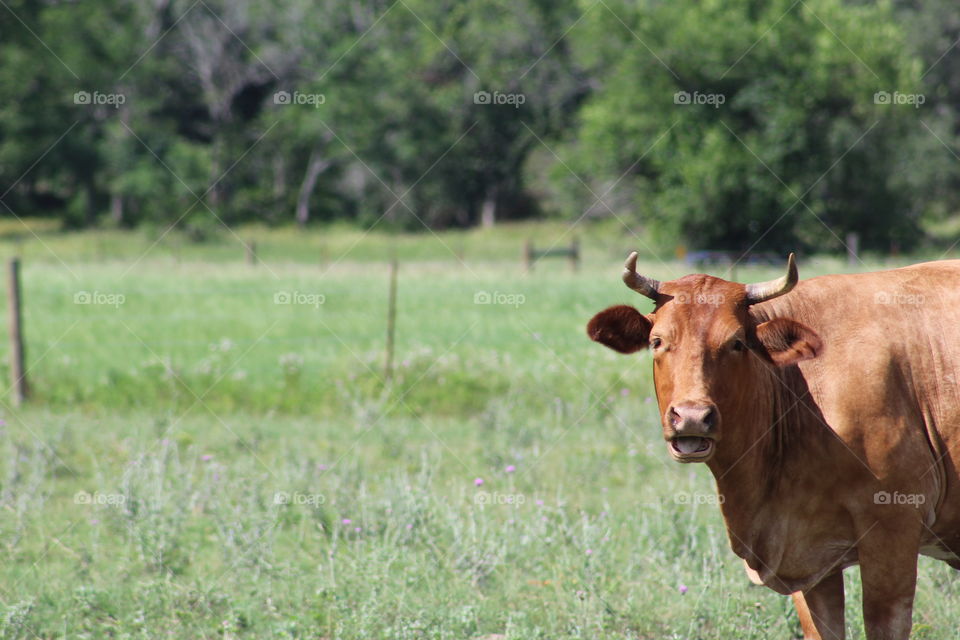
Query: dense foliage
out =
(713, 124)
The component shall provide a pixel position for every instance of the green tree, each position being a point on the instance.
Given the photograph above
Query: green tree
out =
(742, 124)
(405, 102)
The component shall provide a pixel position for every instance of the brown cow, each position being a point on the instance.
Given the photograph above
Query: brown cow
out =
(829, 414)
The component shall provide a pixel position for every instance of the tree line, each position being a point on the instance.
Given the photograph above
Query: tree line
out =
(727, 125)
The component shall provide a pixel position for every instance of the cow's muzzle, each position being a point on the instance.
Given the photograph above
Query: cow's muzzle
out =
(691, 431)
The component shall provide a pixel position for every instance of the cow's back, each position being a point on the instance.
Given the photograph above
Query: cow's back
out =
(888, 378)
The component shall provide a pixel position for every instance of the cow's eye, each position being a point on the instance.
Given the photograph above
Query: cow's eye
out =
(739, 346)
(655, 343)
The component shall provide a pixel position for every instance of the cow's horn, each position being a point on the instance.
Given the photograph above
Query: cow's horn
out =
(641, 284)
(762, 291)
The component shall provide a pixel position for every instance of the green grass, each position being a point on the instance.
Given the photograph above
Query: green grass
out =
(192, 451)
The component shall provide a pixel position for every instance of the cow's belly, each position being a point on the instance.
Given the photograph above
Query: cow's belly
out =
(939, 552)
(942, 531)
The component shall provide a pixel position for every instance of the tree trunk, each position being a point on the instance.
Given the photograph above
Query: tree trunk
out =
(315, 167)
(213, 190)
(488, 212)
(90, 200)
(116, 208)
(279, 176)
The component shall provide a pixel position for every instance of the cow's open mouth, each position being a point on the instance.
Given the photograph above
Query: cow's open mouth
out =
(691, 448)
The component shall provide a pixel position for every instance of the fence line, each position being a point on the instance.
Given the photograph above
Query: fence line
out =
(18, 386)
(84, 298)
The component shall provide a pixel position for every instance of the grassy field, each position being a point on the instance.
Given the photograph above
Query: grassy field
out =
(211, 449)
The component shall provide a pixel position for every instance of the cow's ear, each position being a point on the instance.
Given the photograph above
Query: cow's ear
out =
(788, 342)
(621, 328)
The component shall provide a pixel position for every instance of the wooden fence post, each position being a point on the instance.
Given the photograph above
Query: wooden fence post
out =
(575, 254)
(17, 371)
(391, 320)
(528, 255)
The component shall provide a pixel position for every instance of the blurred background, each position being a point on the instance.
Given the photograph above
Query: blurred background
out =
(295, 296)
(765, 125)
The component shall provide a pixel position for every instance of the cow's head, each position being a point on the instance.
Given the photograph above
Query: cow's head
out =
(711, 356)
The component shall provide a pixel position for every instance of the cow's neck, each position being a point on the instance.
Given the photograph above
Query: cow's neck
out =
(767, 450)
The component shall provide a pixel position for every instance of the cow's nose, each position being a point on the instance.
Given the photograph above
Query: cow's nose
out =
(693, 419)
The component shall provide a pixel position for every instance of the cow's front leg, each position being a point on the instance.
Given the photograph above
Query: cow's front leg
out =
(888, 569)
(821, 609)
